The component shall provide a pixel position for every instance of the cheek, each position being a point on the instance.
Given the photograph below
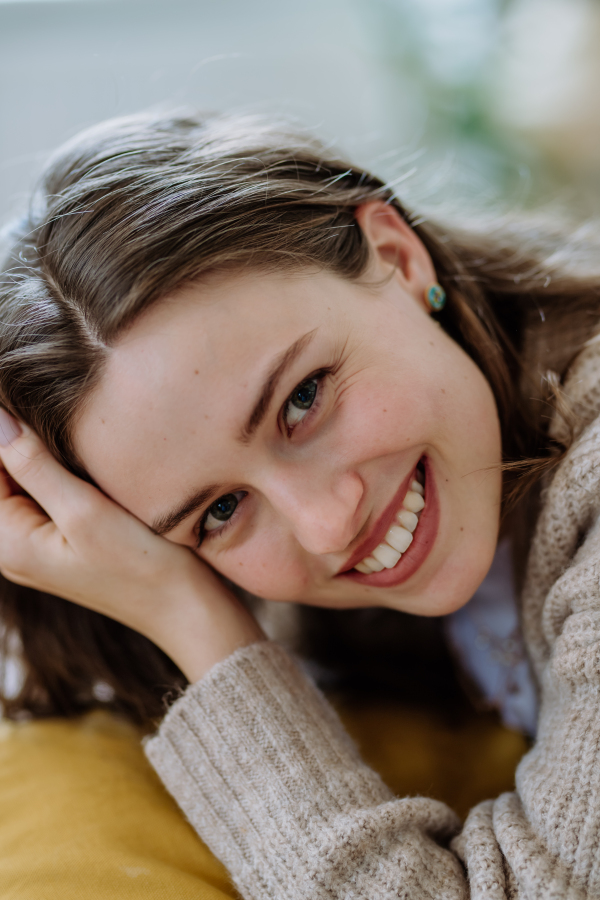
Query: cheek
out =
(267, 565)
(382, 418)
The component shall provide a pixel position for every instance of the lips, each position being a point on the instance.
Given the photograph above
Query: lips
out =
(424, 537)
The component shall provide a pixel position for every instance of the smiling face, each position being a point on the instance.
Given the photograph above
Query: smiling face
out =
(290, 426)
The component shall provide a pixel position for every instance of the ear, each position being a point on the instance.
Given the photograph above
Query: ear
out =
(395, 249)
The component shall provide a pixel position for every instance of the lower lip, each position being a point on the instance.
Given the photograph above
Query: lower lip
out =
(423, 540)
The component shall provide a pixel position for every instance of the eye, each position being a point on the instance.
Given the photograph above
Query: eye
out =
(221, 511)
(300, 401)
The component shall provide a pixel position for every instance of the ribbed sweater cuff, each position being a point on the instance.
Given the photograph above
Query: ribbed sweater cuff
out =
(260, 764)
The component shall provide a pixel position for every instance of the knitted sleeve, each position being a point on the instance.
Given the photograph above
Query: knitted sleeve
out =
(261, 766)
(264, 771)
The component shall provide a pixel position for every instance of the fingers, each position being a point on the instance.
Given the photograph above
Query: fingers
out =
(9, 428)
(8, 485)
(26, 460)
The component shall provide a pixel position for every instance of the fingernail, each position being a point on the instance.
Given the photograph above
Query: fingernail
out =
(9, 428)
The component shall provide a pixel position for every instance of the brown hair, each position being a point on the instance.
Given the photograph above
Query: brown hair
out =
(134, 208)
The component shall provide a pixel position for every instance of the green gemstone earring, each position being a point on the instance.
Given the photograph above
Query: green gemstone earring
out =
(436, 297)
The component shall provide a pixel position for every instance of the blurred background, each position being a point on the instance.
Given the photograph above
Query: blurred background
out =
(468, 100)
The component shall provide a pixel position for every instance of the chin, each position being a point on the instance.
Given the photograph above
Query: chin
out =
(455, 584)
(448, 587)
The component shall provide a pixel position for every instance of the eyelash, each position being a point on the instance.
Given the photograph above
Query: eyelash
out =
(318, 377)
(202, 533)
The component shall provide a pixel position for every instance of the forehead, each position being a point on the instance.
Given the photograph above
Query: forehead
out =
(178, 386)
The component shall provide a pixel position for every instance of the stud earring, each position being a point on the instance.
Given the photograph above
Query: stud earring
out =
(436, 297)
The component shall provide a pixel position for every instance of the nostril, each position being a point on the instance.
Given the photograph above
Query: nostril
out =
(323, 513)
(327, 534)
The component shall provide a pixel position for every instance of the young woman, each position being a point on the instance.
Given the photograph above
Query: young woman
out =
(228, 359)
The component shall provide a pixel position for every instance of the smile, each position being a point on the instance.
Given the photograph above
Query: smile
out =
(403, 535)
(399, 537)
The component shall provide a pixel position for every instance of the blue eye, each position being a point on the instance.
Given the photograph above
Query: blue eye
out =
(220, 511)
(301, 400)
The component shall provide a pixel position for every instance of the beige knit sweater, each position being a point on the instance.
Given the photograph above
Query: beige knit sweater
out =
(262, 768)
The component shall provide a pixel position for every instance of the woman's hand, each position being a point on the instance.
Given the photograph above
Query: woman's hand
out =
(72, 541)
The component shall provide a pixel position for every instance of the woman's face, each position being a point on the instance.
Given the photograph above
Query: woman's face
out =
(276, 422)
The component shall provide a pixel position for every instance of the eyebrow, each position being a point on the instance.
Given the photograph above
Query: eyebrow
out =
(278, 370)
(170, 520)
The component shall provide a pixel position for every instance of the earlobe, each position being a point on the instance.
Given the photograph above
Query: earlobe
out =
(394, 245)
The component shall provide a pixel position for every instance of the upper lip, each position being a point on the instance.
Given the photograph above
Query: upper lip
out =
(381, 526)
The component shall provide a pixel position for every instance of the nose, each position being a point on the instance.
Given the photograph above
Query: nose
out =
(322, 513)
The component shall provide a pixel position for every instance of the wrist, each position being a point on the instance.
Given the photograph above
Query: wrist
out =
(203, 625)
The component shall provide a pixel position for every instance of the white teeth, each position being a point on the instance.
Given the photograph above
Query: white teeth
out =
(399, 538)
(413, 502)
(373, 564)
(408, 520)
(386, 555)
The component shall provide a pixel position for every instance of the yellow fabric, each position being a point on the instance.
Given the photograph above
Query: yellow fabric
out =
(82, 814)
(416, 752)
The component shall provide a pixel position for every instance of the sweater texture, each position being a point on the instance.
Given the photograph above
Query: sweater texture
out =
(262, 768)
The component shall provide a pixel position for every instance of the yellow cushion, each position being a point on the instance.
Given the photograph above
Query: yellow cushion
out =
(82, 814)
(418, 752)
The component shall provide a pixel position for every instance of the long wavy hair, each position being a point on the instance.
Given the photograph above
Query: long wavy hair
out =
(138, 206)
